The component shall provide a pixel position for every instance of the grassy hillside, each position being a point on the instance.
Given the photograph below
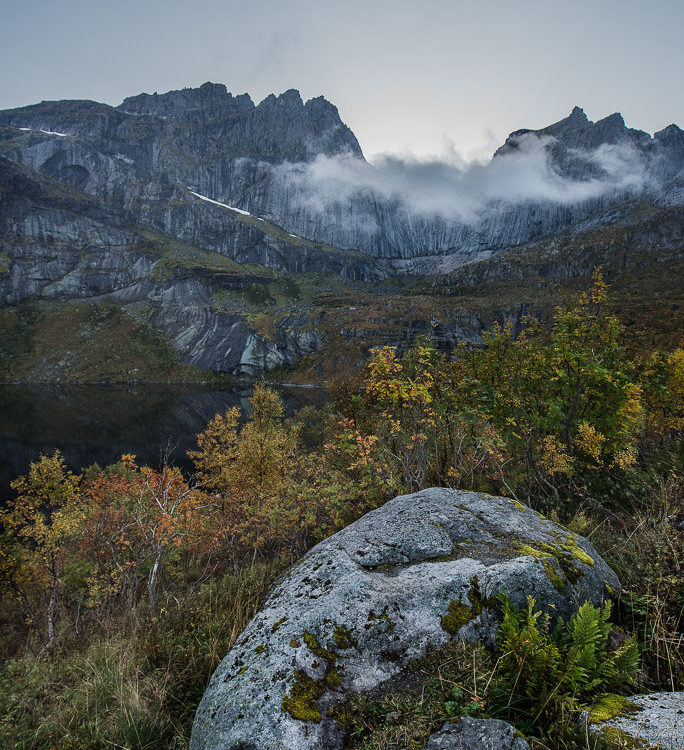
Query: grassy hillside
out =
(85, 341)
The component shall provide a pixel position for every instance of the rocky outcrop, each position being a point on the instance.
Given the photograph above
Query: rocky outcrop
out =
(650, 722)
(477, 734)
(365, 604)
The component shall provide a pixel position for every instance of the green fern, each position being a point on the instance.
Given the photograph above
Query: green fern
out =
(545, 676)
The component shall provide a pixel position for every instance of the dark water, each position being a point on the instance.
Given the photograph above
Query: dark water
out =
(90, 423)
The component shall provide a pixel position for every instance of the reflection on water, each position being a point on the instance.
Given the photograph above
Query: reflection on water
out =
(90, 423)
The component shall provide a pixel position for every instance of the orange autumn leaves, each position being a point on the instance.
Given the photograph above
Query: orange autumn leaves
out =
(268, 494)
(95, 539)
(101, 542)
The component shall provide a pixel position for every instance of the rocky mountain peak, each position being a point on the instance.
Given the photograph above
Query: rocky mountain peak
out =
(671, 135)
(213, 97)
(577, 131)
(320, 109)
(576, 120)
(288, 101)
(578, 114)
(611, 129)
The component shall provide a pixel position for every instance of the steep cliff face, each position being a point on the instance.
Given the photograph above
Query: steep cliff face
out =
(154, 154)
(181, 207)
(154, 157)
(59, 245)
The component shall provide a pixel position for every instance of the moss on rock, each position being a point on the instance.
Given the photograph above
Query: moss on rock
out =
(301, 702)
(315, 647)
(459, 615)
(277, 624)
(557, 580)
(610, 706)
(344, 637)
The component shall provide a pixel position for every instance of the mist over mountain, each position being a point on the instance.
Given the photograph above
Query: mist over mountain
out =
(572, 161)
(100, 202)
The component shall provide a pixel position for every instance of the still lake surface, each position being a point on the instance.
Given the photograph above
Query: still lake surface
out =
(91, 423)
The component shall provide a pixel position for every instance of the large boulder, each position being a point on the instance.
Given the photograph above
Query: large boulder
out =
(363, 605)
(651, 721)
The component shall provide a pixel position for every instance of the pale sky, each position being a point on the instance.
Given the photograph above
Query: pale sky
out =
(420, 78)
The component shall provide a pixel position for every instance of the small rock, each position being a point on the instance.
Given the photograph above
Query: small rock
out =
(477, 734)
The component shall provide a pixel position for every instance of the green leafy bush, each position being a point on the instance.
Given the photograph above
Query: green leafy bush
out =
(546, 676)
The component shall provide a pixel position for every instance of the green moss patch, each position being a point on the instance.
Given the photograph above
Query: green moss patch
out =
(459, 615)
(616, 739)
(570, 545)
(315, 647)
(557, 580)
(565, 554)
(344, 637)
(519, 506)
(610, 707)
(301, 702)
(477, 601)
(277, 624)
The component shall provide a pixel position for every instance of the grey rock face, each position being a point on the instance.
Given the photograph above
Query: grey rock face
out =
(364, 604)
(83, 186)
(477, 734)
(144, 153)
(60, 245)
(650, 721)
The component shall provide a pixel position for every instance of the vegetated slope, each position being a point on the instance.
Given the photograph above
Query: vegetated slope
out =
(249, 237)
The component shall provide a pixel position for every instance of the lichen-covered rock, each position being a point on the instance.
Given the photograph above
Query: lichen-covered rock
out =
(648, 722)
(364, 604)
(477, 734)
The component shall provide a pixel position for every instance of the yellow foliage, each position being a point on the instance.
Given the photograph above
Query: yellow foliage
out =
(590, 441)
(554, 458)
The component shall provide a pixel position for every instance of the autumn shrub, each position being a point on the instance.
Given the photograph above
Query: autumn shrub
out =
(267, 493)
(559, 413)
(40, 526)
(418, 427)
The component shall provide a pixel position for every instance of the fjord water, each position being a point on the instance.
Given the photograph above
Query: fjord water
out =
(91, 423)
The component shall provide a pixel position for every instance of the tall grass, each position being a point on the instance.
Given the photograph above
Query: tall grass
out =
(648, 555)
(136, 683)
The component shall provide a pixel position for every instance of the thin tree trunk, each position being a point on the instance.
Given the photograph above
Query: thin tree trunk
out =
(52, 608)
(153, 580)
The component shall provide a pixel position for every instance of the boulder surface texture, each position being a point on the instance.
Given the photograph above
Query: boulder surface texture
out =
(364, 604)
(477, 734)
(655, 720)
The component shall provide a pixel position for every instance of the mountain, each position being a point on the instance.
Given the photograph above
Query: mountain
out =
(198, 213)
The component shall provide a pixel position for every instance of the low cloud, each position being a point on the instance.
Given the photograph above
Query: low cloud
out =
(458, 190)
